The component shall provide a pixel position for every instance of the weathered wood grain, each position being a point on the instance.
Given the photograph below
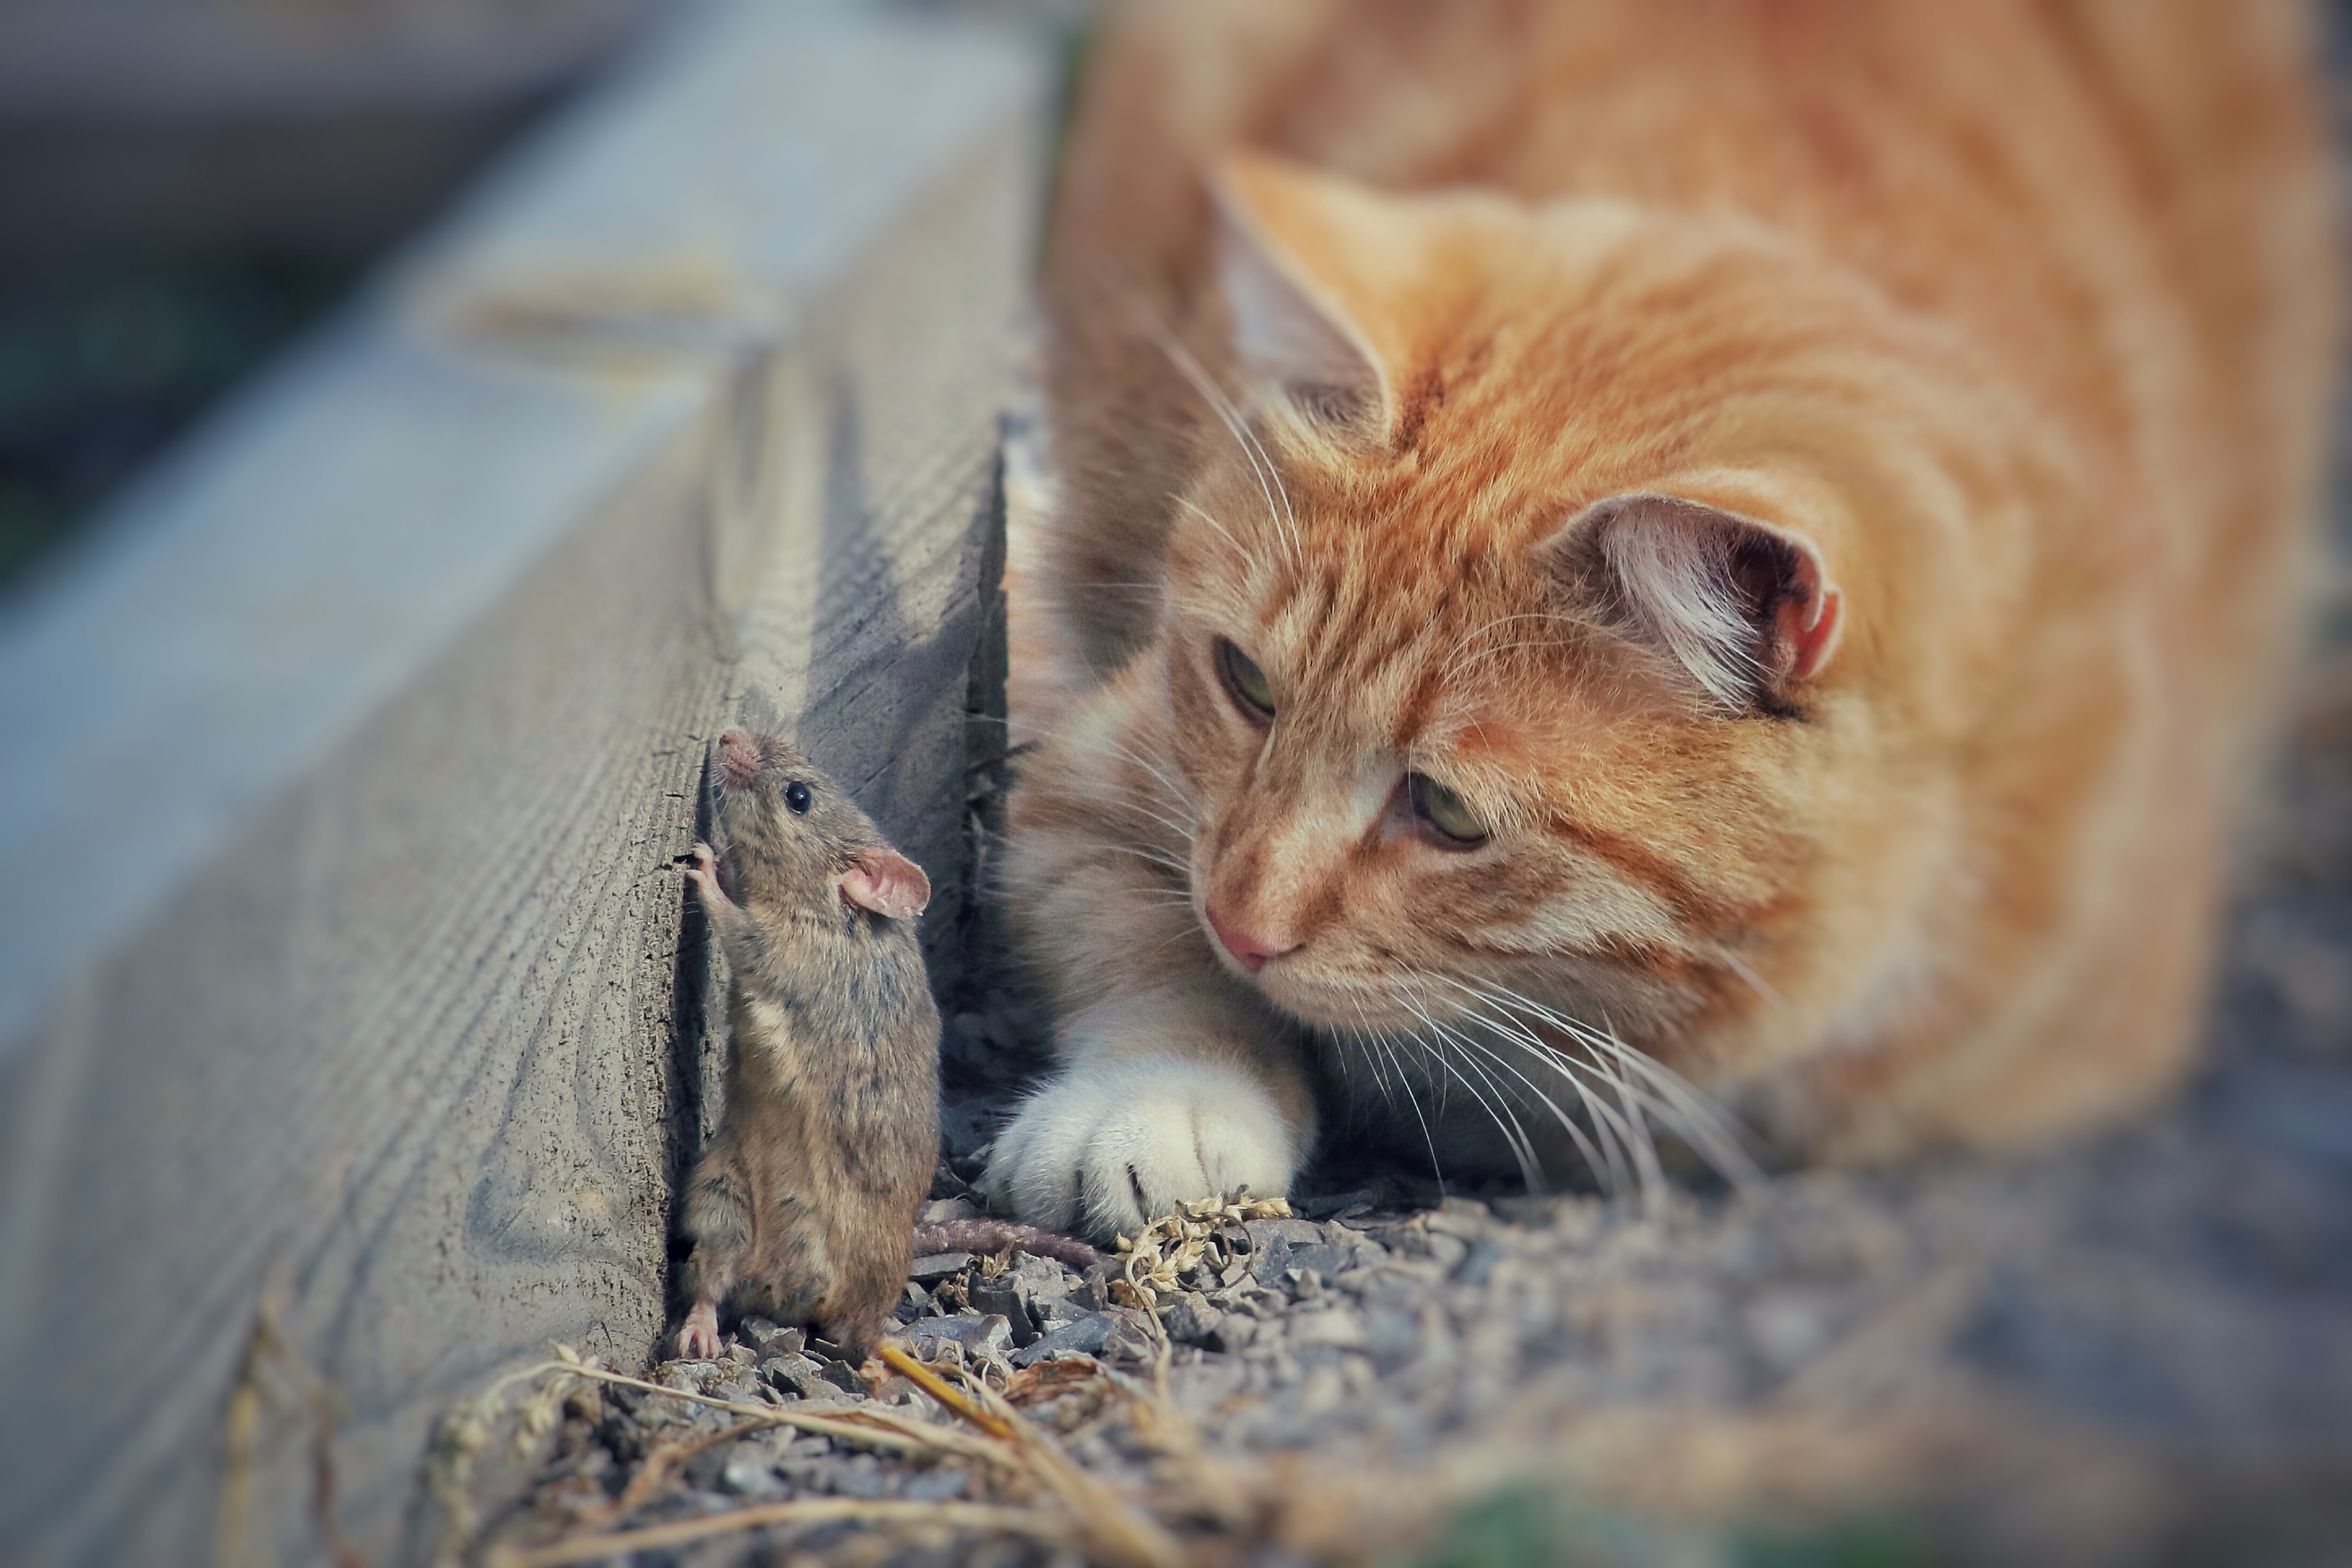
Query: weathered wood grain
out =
(691, 422)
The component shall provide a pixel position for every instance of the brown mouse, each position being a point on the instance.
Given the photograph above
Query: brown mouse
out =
(804, 1208)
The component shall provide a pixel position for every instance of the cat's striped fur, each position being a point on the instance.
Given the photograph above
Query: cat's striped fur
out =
(1820, 482)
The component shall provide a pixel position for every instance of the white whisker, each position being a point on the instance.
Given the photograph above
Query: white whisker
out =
(1387, 1043)
(1608, 1165)
(1260, 466)
(1153, 856)
(1609, 1169)
(1506, 1120)
(1739, 966)
(1186, 503)
(1712, 1131)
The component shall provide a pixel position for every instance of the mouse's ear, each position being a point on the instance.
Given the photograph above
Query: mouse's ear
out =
(888, 883)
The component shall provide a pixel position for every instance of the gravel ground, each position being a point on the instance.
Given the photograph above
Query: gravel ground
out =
(2134, 1350)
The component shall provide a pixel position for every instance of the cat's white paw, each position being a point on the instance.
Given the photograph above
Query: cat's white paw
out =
(1108, 1147)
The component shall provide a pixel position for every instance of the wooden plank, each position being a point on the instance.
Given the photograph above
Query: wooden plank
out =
(352, 972)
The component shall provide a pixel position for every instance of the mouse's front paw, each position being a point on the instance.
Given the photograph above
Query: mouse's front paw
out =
(1106, 1148)
(704, 874)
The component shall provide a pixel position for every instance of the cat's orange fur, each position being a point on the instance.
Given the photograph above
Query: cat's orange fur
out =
(2003, 331)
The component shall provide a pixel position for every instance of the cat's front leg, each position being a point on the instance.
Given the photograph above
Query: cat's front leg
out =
(1165, 1097)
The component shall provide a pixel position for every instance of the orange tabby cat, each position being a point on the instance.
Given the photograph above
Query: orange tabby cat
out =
(1609, 545)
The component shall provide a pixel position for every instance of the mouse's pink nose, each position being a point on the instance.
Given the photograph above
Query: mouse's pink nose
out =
(739, 760)
(1250, 952)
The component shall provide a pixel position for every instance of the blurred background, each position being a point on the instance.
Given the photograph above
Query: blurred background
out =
(186, 184)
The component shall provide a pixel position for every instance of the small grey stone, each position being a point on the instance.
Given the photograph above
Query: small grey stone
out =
(1092, 1293)
(781, 1341)
(844, 1377)
(814, 1474)
(702, 1471)
(1273, 1241)
(1055, 1310)
(1447, 1252)
(1264, 1233)
(938, 1266)
(1089, 1334)
(761, 1333)
(743, 1389)
(1340, 1326)
(1532, 1210)
(1234, 1332)
(1039, 1279)
(1193, 1321)
(1480, 1263)
(1461, 1216)
(860, 1476)
(797, 1374)
(941, 1485)
(1200, 1385)
(988, 1334)
(749, 1470)
(1324, 1259)
(857, 1475)
(1002, 1295)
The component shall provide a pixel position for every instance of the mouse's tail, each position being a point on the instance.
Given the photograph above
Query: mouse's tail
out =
(997, 1235)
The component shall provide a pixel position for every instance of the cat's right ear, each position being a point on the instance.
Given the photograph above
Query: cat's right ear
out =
(1291, 329)
(1742, 608)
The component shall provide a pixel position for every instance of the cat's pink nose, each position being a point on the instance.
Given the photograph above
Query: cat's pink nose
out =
(1249, 951)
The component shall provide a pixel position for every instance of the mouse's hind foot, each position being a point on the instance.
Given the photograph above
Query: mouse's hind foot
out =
(698, 1340)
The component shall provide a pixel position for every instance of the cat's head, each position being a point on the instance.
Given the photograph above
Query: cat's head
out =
(1538, 628)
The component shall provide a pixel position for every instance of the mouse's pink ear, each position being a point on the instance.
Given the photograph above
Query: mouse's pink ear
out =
(888, 883)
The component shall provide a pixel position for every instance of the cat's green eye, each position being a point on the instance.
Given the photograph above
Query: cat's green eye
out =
(1443, 810)
(1245, 680)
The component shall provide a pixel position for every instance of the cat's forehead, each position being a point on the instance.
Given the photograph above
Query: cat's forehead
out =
(1394, 654)
(1422, 643)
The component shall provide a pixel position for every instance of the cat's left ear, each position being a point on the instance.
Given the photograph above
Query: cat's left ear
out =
(1283, 236)
(1746, 609)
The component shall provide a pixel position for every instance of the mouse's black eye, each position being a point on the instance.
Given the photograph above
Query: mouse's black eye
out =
(796, 796)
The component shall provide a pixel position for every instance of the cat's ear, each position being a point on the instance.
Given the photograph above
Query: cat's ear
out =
(1280, 234)
(1747, 610)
